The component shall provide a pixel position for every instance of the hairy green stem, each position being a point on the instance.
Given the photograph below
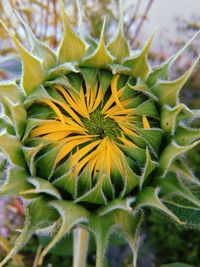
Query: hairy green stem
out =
(81, 238)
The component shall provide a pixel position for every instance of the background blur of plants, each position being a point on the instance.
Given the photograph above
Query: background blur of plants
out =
(162, 242)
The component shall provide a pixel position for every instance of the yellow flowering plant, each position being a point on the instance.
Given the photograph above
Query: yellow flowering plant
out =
(93, 135)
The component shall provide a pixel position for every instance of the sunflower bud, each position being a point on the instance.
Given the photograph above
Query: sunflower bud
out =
(93, 135)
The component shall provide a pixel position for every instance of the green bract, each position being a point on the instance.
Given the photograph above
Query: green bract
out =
(93, 135)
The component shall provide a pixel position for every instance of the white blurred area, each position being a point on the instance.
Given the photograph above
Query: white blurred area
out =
(162, 16)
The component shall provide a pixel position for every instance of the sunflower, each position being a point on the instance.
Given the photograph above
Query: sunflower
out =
(93, 135)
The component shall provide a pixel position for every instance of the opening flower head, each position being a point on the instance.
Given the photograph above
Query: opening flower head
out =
(93, 135)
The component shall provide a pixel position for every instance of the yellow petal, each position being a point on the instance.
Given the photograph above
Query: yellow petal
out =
(54, 108)
(145, 122)
(114, 91)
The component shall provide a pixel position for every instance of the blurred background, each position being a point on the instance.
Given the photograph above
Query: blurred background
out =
(162, 243)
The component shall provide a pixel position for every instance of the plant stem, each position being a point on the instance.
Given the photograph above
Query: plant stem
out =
(81, 238)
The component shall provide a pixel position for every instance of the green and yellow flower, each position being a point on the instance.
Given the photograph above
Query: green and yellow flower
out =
(93, 135)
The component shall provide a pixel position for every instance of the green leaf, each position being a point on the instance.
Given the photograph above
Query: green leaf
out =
(41, 186)
(16, 182)
(33, 73)
(100, 57)
(38, 215)
(11, 91)
(12, 147)
(170, 153)
(39, 49)
(185, 135)
(162, 71)
(139, 64)
(72, 48)
(173, 185)
(189, 215)
(182, 170)
(168, 118)
(148, 197)
(71, 215)
(17, 114)
(168, 92)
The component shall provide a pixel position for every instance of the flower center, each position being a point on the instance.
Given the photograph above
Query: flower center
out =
(102, 126)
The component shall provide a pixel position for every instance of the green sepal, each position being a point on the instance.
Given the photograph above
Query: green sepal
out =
(147, 108)
(128, 224)
(119, 46)
(170, 152)
(143, 88)
(39, 49)
(61, 80)
(168, 92)
(168, 118)
(162, 71)
(38, 215)
(101, 227)
(41, 186)
(17, 114)
(131, 180)
(148, 197)
(30, 125)
(48, 159)
(152, 137)
(90, 76)
(105, 78)
(185, 135)
(118, 69)
(62, 69)
(5, 124)
(135, 153)
(172, 185)
(12, 92)
(150, 165)
(71, 215)
(12, 147)
(29, 154)
(84, 181)
(16, 181)
(72, 47)
(139, 64)
(96, 194)
(108, 189)
(33, 73)
(100, 57)
(67, 182)
(37, 94)
(116, 204)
